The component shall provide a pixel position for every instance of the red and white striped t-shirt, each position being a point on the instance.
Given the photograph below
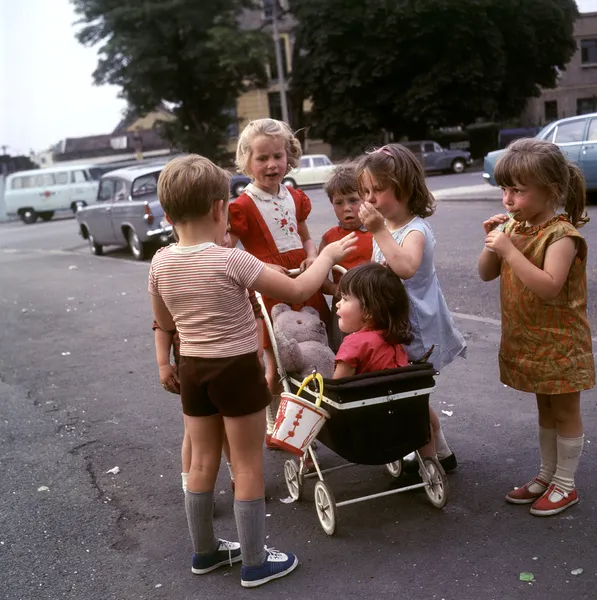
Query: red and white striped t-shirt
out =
(205, 290)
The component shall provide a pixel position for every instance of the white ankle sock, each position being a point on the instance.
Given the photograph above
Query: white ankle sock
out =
(569, 451)
(185, 478)
(441, 446)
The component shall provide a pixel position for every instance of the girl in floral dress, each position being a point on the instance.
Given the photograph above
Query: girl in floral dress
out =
(270, 220)
(546, 347)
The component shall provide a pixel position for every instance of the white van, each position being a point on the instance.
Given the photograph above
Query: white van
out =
(40, 193)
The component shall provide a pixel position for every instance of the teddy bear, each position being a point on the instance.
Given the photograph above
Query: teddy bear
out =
(302, 341)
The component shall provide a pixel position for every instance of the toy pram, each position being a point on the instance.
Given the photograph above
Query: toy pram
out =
(369, 419)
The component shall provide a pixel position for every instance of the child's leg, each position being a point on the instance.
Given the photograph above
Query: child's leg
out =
(185, 455)
(226, 449)
(245, 435)
(273, 383)
(206, 451)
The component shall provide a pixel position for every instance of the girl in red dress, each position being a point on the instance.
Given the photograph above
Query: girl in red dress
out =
(270, 220)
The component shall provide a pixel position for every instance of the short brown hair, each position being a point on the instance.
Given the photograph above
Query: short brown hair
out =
(342, 182)
(271, 128)
(189, 185)
(382, 297)
(532, 161)
(396, 167)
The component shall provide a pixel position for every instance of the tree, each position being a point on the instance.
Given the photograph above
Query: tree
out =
(403, 66)
(190, 54)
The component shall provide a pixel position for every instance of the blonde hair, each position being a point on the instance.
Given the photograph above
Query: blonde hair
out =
(541, 163)
(396, 167)
(272, 128)
(188, 186)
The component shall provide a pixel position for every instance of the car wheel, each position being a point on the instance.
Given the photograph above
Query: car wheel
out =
(46, 216)
(28, 216)
(95, 247)
(289, 182)
(458, 166)
(138, 248)
(78, 206)
(238, 188)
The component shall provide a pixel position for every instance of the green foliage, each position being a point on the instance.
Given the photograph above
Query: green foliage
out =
(190, 54)
(403, 66)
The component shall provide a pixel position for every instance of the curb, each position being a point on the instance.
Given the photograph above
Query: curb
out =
(468, 199)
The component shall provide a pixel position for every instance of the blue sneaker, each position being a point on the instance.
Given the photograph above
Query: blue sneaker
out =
(277, 564)
(226, 554)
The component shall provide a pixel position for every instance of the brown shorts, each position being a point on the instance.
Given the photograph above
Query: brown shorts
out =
(232, 386)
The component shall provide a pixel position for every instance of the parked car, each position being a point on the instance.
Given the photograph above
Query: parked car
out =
(435, 158)
(127, 212)
(43, 192)
(238, 183)
(576, 136)
(314, 169)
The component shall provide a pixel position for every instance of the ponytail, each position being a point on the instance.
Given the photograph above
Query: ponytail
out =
(575, 197)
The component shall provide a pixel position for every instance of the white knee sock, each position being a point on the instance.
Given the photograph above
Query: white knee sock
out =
(569, 451)
(270, 413)
(441, 446)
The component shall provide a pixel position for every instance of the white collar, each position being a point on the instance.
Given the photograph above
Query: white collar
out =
(177, 249)
(259, 194)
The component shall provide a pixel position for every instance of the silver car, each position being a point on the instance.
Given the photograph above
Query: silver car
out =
(127, 212)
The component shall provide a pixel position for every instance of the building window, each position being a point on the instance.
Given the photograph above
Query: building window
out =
(551, 110)
(232, 129)
(273, 67)
(584, 106)
(588, 51)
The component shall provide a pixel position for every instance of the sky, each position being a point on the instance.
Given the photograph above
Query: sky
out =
(46, 86)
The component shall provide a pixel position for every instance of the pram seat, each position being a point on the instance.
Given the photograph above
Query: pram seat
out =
(376, 418)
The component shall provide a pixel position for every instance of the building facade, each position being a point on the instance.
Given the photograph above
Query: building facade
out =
(576, 93)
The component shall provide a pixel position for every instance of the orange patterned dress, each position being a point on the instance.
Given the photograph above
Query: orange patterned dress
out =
(546, 344)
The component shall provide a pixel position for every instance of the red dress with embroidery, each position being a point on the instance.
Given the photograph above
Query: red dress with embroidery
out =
(267, 227)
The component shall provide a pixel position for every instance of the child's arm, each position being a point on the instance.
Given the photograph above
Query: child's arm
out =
(308, 245)
(162, 314)
(490, 263)
(548, 282)
(343, 370)
(404, 260)
(167, 371)
(328, 287)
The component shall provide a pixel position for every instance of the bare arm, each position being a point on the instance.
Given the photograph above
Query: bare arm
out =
(162, 314)
(547, 282)
(308, 243)
(489, 265)
(274, 284)
(163, 345)
(404, 260)
(343, 370)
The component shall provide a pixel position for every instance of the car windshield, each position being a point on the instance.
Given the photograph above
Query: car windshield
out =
(146, 184)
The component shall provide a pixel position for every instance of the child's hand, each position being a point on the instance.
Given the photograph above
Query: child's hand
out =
(494, 222)
(337, 251)
(371, 218)
(307, 263)
(169, 379)
(499, 242)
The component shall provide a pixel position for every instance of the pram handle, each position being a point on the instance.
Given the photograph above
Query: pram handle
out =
(296, 272)
(308, 380)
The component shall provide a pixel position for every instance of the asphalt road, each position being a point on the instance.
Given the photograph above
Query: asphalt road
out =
(79, 396)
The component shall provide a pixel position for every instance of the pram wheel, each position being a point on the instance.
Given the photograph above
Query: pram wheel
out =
(437, 482)
(326, 507)
(294, 481)
(395, 468)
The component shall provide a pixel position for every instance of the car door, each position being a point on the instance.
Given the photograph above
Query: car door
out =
(321, 169)
(569, 136)
(588, 155)
(99, 216)
(430, 157)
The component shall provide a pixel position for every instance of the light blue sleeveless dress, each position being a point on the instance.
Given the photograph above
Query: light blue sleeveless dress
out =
(430, 318)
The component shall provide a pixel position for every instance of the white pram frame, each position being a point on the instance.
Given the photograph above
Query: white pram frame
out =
(434, 480)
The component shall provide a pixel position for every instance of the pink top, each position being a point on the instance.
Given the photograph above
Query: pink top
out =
(367, 351)
(205, 290)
